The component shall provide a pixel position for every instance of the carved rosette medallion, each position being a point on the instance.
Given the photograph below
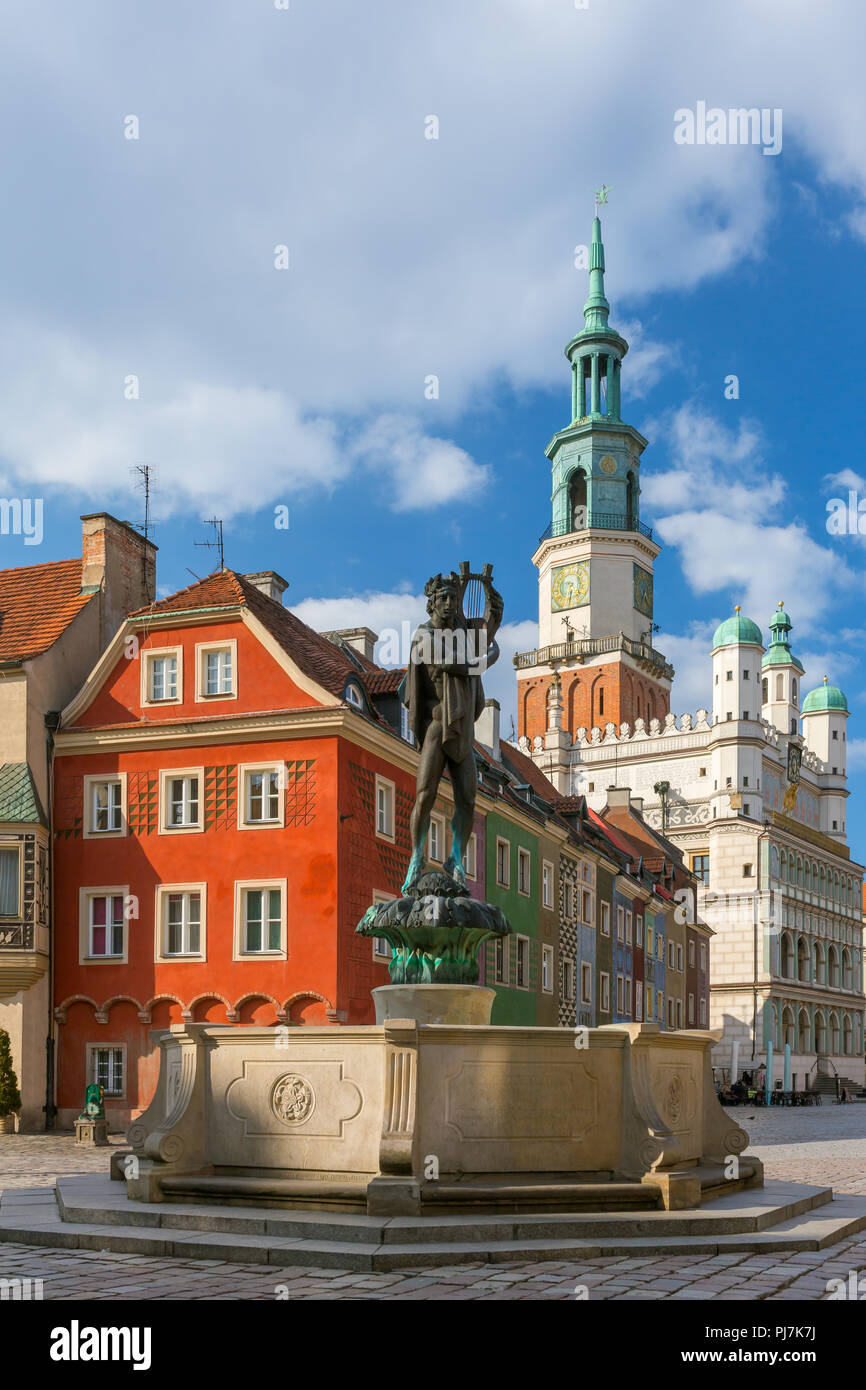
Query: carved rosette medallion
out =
(293, 1099)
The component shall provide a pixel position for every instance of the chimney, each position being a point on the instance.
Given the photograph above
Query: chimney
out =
(270, 583)
(619, 797)
(360, 639)
(637, 805)
(487, 727)
(119, 562)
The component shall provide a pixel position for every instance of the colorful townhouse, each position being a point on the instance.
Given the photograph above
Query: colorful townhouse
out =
(228, 800)
(55, 619)
(681, 999)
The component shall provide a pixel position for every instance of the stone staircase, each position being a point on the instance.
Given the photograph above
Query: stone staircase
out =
(825, 1085)
(94, 1213)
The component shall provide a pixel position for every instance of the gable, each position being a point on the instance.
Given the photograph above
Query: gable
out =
(264, 676)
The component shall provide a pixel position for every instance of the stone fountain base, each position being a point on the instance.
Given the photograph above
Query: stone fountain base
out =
(408, 1116)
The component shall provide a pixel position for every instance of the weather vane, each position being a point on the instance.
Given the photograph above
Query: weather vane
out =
(601, 196)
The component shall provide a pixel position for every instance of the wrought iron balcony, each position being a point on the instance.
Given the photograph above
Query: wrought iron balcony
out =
(597, 521)
(582, 647)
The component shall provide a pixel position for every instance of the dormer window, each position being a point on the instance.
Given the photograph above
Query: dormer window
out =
(354, 696)
(162, 676)
(216, 670)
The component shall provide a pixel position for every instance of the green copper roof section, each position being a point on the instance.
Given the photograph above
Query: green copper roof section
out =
(19, 800)
(779, 653)
(596, 309)
(826, 697)
(736, 630)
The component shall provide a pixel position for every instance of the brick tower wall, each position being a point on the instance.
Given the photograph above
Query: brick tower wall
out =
(591, 697)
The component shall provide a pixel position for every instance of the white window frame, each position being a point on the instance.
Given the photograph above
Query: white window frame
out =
(691, 1012)
(703, 956)
(679, 958)
(354, 698)
(382, 957)
(548, 881)
(18, 848)
(438, 823)
(390, 790)
(588, 903)
(171, 774)
(568, 896)
(91, 782)
(629, 926)
(242, 887)
(470, 862)
(586, 983)
(702, 1012)
(148, 656)
(85, 897)
(202, 650)
(522, 947)
(547, 969)
(246, 770)
(506, 881)
(160, 919)
(568, 980)
(501, 958)
(679, 1013)
(605, 919)
(524, 871)
(604, 992)
(92, 1049)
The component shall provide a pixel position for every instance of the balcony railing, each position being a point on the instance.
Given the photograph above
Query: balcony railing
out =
(582, 647)
(597, 521)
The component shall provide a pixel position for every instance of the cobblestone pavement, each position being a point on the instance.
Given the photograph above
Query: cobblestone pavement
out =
(823, 1145)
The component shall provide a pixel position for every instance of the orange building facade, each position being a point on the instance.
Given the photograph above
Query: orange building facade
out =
(228, 800)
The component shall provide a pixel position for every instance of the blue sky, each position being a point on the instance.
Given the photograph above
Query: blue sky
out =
(260, 128)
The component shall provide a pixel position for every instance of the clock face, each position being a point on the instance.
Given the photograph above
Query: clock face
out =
(643, 591)
(570, 586)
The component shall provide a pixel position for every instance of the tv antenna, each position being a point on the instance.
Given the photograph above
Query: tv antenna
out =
(217, 542)
(144, 472)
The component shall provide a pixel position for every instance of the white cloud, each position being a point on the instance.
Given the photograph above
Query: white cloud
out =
(689, 654)
(723, 514)
(407, 256)
(420, 471)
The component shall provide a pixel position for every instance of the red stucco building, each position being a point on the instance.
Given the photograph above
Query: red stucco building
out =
(225, 775)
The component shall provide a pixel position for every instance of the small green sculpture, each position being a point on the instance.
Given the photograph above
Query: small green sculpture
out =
(94, 1107)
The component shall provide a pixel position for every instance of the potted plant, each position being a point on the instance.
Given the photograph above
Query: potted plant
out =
(10, 1096)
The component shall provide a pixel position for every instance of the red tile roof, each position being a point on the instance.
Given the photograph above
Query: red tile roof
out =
(37, 604)
(319, 658)
(527, 771)
(385, 682)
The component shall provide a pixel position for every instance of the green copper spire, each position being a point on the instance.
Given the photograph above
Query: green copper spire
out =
(779, 653)
(596, 309)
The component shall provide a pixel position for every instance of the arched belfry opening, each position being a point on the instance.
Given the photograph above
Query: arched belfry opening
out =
(578, 514)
